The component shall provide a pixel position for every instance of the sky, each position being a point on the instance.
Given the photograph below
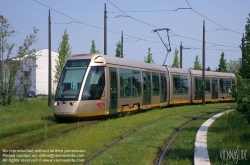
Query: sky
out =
(225, 22)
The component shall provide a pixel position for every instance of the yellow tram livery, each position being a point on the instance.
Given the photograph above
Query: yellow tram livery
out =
(98, 85)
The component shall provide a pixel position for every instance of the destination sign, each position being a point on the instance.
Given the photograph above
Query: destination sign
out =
(77, 63)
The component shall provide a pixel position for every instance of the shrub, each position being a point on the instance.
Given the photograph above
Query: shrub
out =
(243, 97)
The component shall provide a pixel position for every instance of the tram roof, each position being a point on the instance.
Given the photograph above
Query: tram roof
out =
(178, 70)
(211, 74)
(105, 59)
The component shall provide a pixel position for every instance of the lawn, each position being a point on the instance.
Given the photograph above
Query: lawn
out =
(229, 140)
(181, 150)
(139, 137)
(152, 130)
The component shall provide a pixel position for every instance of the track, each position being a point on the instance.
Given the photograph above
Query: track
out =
(159, 159)
(129, 134)
(174, 135)
(166, 146)
(18, 140)
(113, 144)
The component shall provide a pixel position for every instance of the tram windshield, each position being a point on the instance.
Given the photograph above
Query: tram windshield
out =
(70, 82)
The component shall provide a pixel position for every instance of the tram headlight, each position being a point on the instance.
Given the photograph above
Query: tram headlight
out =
(56, 103)
(72, 104)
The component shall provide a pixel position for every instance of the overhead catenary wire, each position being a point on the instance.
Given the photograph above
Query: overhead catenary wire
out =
(131, 16)
(211, 19)
(151, 11)
(216, 44)
(132, 37)
(67, 15)
(177, 34)
(77, 21)
(173, 10)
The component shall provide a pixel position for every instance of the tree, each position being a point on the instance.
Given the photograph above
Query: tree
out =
(64, 51)
(243, 97)
(243, 87)
(223, 64)
(197, 64)
(149, 57)
(245, 48)
(93, 49)
(208, 69)
(118, 51)
(176, 62)
(234, 66)
(13, 65)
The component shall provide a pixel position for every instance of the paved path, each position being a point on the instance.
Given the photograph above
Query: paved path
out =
(200, 153)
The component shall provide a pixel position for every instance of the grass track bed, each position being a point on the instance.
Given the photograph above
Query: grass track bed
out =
(28, 138)
(142, 147)
(146, 144)
(14, 129)
(181, 150)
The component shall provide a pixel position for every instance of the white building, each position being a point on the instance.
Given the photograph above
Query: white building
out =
(36, 73)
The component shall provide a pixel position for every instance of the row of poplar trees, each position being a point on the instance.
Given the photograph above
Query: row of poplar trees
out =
(232, 66)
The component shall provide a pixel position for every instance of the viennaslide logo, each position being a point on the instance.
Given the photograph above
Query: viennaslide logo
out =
(233, 154)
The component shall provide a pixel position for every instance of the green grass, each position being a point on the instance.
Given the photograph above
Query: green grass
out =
(21, 119)
(181, 150)
(30, 110)
(141, 147)
(24, 116)
(10, 130)
(26, 123)
(229, 132)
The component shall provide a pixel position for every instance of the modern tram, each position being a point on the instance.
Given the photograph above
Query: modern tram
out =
(98, 85)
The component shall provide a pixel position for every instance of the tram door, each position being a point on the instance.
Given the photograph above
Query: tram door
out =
(163, 88)
(113, 90)
(214, 88)
(146, 88)
(198, 88)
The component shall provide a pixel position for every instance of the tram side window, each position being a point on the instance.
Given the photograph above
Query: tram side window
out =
(125, 82)
(223, 85)
(95, 84)
(156, 84)
(176, 84)
(228, 86)
(198, 83)
(113, 80)
(146, 82)
(180, 84)
(130, 83)
(207, 86)
(163, 82)
(214, 84)
(233, 84)
(136, 83)
(163, 88)
(184, 84)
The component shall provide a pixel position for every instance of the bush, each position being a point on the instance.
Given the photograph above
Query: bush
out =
(243, 97)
